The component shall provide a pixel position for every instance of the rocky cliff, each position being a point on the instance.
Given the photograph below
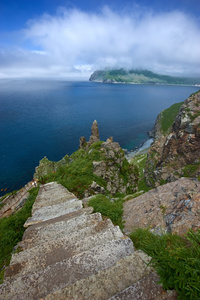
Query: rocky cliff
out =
(175, 153)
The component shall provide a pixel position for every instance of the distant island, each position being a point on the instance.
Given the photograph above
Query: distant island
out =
(139, 77)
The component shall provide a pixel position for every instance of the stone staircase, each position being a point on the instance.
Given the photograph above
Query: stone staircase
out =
(70, 253)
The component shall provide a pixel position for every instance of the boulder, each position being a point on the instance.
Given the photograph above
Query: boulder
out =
(173, 207)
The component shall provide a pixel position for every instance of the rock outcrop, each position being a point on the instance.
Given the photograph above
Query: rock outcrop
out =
(82, 142)
(95, 133)
(69, 253)
(177, 153)
(173, 207)
(14, 201)
(93, 138)
(46, 166)
(113, 167)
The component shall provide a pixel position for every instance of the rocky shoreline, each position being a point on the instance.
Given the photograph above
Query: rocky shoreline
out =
(143, 148)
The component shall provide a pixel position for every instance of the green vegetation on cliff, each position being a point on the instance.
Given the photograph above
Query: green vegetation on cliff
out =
(168, 116)
(102, 166)
(12, 230)
(176, 260)
(76, 174)
(139, 77)
(139, 161)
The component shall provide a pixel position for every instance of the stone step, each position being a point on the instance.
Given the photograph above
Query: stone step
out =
(53, 211)
(40, 283)
(60, 199)
(57, 250)
(52, 188)
(74, 214)
(53, 200)
(145, 289)
(108, 282)
(72, 238)
(42, 234)
(52, 193)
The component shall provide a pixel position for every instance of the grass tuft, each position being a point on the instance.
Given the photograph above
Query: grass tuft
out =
(112, 210)
(176, 260)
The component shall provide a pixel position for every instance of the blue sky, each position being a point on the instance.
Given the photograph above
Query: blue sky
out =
(70, 39)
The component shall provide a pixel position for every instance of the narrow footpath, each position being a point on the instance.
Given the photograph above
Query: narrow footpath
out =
(68, 252)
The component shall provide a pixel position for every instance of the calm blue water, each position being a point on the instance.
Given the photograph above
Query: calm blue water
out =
(46, 118)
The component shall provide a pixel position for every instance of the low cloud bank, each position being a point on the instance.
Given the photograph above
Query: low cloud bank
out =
(74, 43)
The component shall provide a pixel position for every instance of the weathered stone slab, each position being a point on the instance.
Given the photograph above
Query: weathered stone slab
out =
(57, 250)
(71, 238)
(52, 187)
(53, 211)
(53, 201)
(173, 207)
(42, 234)
(69, 216)
(50, 194)
(56, 276)
(146, 289)
(108, 282)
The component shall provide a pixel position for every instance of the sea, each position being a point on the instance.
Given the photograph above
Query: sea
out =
(47, 117)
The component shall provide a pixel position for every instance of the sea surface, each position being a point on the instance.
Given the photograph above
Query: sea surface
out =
(46, 118)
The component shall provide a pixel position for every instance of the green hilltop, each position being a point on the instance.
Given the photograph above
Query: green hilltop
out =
(139, 77)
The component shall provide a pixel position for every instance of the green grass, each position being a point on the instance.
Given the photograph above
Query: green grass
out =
(189, 170)
(169, 115)
(11, 230)
(140, 162)
(176, 260)
(1, 205)
(78, 175)
(112, 210)
(194, 116)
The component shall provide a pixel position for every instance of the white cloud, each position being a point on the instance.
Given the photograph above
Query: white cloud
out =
(39, 52)
(74, 43)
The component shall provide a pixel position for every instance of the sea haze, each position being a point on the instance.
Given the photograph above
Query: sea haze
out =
(46, 118)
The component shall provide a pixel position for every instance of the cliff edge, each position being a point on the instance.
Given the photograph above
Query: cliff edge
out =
(175, 151)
